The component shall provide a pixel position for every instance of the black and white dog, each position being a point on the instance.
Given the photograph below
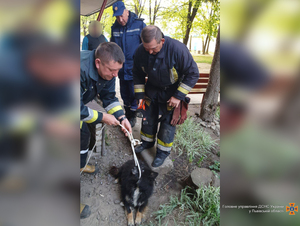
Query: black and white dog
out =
(135, 192)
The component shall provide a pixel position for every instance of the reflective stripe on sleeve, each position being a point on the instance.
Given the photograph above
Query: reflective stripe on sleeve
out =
(139, 88)
(93, 115)
(184, 88)
(114, 107)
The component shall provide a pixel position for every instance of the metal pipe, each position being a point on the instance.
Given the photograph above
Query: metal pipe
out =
(101, 10)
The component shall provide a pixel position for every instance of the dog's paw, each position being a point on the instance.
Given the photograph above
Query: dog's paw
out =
(130, 219)
(139, 219)
(130, 223)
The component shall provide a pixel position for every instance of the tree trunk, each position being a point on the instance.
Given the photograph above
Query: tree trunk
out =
(156, 8)
(210, 100)
(190, 18)
(207, 46)
(190, 45)
(84, 28)
(204, 45)
(150, 17)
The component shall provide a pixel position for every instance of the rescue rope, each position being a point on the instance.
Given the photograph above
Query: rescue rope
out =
(133, 142)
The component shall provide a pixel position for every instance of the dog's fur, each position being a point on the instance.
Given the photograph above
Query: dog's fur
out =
(134, 192)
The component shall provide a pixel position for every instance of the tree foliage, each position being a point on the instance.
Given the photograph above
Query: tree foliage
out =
(107, 21)
(173, 18)
(195, 17)
(207, 23)
(136, 6)
(177, 18)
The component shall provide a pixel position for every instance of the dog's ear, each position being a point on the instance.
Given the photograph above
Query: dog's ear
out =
(134, 171)
(114, 171)
(153, 175)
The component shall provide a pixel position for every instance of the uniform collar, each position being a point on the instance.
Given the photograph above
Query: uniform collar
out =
(93, 73)
(161, 53)
(131, 18)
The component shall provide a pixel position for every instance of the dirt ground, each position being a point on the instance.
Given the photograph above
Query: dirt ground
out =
(103, 195)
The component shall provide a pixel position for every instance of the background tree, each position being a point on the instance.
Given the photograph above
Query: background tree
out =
(186, 16)
(136, 6)
(107, 21)
(193, 6)
(153, 11)
(173, 18)
(207, 22)
(210, 100)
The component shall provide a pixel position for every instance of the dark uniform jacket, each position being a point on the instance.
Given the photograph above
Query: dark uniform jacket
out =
(128, 38)
(92, 84)
(171, 72)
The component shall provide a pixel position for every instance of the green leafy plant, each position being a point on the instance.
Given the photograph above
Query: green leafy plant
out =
(199, 207)
(215, 166)
(192, 139)
(200, 161)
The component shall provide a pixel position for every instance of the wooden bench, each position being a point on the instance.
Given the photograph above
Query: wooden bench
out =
(201, 85)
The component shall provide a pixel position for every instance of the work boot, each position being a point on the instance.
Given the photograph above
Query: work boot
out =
(90, 169)
(160, 158)
(143, 146)
(84, 211)
(132, 120)
(130, 115)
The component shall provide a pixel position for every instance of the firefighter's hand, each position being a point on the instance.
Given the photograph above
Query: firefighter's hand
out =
(173, 102)
(127, 125)
(110, 120)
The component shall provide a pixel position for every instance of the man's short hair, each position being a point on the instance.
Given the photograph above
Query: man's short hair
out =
(151, 32)
(108, 51)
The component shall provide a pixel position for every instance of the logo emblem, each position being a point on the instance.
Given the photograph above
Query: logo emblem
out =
(116, 8)
(292, 208)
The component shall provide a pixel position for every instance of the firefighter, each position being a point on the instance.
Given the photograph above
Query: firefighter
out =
(172, 73)
(126, 33)
(98, 69)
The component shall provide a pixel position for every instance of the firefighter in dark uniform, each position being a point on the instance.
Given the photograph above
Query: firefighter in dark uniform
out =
(172, 73)
(126, 32)
(98, 69)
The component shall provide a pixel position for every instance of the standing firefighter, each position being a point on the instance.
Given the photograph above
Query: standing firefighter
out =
(126, 33)
(171, 73)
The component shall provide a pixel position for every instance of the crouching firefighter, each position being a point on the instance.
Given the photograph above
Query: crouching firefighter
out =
(98, 69)
(172, 73)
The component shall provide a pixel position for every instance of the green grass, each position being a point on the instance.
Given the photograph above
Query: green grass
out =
(199, 207)
(215, 166)
(203, 58)
(192, 139)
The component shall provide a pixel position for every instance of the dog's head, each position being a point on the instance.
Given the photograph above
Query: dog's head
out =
(146, 172)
